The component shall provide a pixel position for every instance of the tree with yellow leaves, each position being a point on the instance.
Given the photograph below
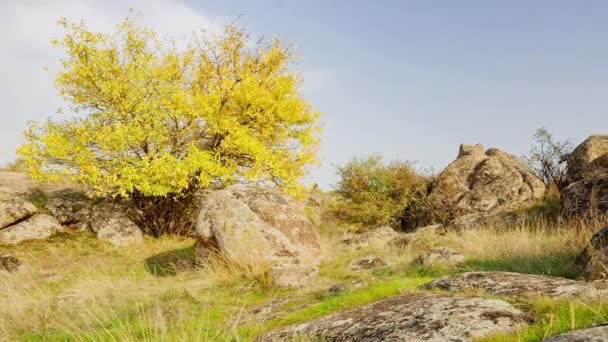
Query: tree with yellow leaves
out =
(157, 121)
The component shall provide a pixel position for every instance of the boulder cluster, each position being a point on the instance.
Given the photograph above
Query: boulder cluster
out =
(22, 220)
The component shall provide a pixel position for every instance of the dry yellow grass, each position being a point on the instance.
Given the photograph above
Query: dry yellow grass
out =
(77, 288)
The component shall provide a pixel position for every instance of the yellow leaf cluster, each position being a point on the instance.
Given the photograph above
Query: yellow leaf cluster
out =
(155, 119)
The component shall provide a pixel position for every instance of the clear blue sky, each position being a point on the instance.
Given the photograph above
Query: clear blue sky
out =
(414, 79)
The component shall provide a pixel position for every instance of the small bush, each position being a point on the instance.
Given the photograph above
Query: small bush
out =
(371, 193)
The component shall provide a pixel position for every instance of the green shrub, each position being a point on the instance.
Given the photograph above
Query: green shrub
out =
(372, 193)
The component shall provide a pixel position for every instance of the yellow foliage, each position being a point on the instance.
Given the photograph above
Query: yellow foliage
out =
(156, 120)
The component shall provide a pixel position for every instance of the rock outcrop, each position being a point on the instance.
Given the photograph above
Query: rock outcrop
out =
(587, 190)
(595, 334)
(518, 284)
(9, 263)
(411, 317)
(111, 224)
(68, 206)
(593, 260)
(588, 159)
(486, 182)
(256, 224)
(440, 256)
(14, 209)
(36, 227)
(20, 220)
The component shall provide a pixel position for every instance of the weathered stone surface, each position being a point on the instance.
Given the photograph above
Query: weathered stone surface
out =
(379, 236)
(596, 334)
(587, 192)
(593, 260)
(478, 182)
(411, 317)
(440, 256)
(65, 205)
(9, 263)
(367, 263)
(517, 284)
(586, 197)
(37, 227)
(110, 223)
(14, 208)
(256, 224)
(588, 159)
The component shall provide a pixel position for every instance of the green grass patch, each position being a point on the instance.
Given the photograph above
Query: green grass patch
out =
(375, 291)
(554, 317)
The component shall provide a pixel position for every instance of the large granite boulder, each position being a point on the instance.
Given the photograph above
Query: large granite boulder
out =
(595, 334)
(587, 192)
(518, 284)
(486, 182)
(257, 224)
(411, 317)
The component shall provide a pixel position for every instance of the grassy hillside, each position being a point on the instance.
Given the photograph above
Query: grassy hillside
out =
(77, 288)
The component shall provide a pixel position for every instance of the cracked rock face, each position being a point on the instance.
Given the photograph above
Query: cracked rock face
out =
(36, 227)
(411, 317)
(517, 284)
(250, 223)
(596, 334)
(14, 209)
(480, 182)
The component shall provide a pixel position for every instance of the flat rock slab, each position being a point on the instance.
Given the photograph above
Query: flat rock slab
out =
(597, 334)
(411, 317)
(518, 284)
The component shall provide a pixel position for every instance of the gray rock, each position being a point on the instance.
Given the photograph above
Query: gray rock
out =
(65, 205)
(366, 263)
(485, 182)
(518, 284)
(411, 317)
(596, 334)
(9, 263)
(111, 224)
(256, 224)
(14, 209)
(440, 256)
(37, 227)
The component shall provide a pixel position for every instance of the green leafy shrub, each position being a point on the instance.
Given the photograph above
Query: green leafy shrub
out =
(372, 193)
